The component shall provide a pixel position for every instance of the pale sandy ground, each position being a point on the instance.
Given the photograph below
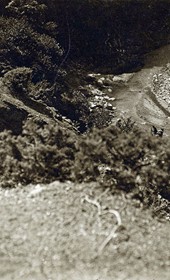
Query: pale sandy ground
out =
(61, 231)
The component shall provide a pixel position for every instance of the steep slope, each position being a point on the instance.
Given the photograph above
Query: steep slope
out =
(14, 111)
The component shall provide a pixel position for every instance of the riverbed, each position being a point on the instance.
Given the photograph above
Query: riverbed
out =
(137, 99)
(133, 95)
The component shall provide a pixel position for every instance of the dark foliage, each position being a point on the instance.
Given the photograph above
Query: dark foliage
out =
(21, 45)
(41, 153)
(132, 161)
(128, 160)
(34, 67)
(112, 34)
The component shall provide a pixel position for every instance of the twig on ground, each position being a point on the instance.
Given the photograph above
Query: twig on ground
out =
(103, 193)
(112, 234)
(94, 202)
(117, 215)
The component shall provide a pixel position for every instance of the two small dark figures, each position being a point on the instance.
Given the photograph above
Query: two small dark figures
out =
(157, 132)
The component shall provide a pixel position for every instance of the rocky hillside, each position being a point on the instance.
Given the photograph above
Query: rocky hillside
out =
(48, 40)
(58, 118)
(85, 182)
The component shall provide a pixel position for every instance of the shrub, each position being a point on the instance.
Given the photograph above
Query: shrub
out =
(17, 80)
(130, 161)
(22, 46)
(20, 83)
(43, 152)
(33, 11)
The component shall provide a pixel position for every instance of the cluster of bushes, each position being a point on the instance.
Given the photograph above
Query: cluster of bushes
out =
(30, 54)
(41, 153)
(130, 161)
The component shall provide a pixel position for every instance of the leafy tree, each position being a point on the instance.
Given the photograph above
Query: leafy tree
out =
(21, 45)
(31, 9)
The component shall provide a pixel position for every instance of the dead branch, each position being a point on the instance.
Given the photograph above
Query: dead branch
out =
(93, 202)
(113, 233)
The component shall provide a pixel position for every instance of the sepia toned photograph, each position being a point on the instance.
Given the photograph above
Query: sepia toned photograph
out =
(84, 139)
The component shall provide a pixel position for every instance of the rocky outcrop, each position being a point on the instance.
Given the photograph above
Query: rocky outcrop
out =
(12, 117)
(15, 111)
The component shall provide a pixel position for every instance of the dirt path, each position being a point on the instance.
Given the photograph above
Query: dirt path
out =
(62, 231)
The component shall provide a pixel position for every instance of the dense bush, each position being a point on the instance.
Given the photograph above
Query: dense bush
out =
(17, 80)
(21, 85)
(21, 45)
(40, 154)
(132, 161)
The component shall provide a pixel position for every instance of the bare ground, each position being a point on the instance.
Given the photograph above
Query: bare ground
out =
(62, 231)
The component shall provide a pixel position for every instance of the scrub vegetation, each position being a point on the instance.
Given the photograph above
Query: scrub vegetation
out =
(46, 50)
